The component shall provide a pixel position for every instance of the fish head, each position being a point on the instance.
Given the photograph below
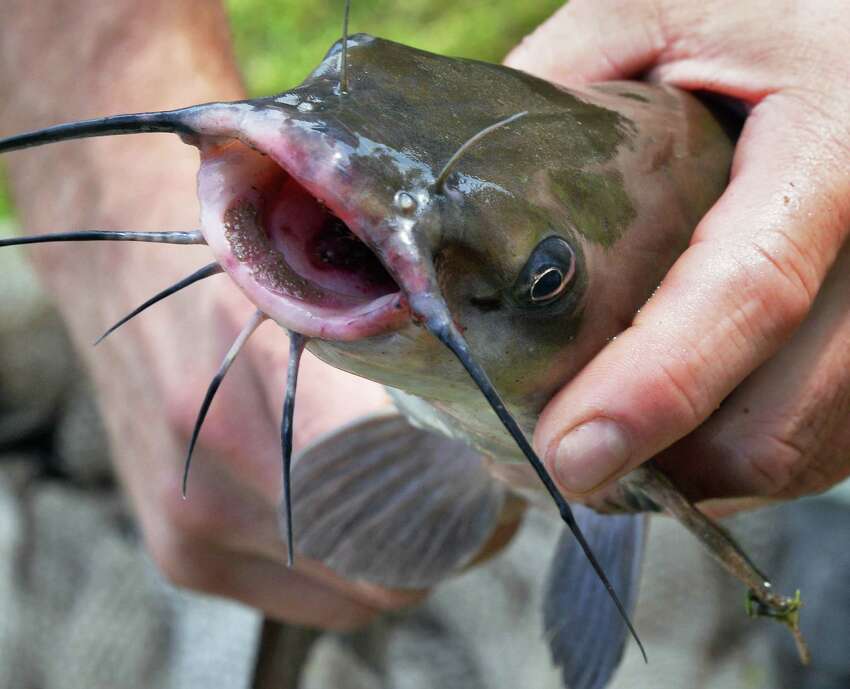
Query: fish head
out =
(330, 207)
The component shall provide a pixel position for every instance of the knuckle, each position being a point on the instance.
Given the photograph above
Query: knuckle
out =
(200, 517)
(800, 444)
(784, 304)
(172, 558)
(773, 291)
(796, 470)
(219, 432)
(190, 521)
(190, 564)
(782, 465)
(196, 518)
(812, 477)
(792, 279)
(772, 463)
(679, 381)
(822, 125)
(687, 391)
(180, 409)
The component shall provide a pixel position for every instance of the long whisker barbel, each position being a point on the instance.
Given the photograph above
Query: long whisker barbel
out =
(197, 276)
(469, 143)
(248, 330)
(172, 121)
(296, 349)
(438, 322)
(207, 119)
(343, 79)
(167, 237)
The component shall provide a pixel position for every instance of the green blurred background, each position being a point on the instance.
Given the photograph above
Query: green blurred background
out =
(279, 41)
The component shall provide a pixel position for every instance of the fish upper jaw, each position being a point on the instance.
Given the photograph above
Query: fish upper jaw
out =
(297, 227)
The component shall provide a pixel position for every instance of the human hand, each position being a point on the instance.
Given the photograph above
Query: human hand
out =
(754, 315)
(151, 375)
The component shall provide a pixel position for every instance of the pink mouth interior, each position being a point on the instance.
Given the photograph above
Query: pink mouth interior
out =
(290, 253)
(320, 248)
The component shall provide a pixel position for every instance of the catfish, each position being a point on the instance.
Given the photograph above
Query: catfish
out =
(469, 236)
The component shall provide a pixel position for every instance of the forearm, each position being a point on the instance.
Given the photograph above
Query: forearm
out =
(64, 61)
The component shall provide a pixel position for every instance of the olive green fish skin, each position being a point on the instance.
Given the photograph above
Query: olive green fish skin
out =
(623, 171)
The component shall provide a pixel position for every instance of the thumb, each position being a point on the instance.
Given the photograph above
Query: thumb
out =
(592, 40)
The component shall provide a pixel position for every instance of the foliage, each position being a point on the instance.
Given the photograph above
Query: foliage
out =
(278, 42)
(5, 201)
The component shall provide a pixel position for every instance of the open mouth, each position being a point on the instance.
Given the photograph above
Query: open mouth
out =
(291, 254)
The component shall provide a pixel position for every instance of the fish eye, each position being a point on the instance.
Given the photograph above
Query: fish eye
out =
(547, 274)
(548, 284)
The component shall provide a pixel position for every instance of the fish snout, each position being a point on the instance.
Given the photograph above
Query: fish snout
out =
(288, 244)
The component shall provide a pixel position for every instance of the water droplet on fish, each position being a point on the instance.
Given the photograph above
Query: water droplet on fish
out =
(289, 99)
(405, 202)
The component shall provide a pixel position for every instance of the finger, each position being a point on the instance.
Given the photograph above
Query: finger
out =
(222, 516)
(743, 286)
(226, 515)
(280, 592)
(784, 432)
(592, 40)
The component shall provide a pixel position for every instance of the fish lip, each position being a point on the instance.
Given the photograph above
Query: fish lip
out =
(224, 164)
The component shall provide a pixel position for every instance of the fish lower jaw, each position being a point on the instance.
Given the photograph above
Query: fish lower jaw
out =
(290, 254)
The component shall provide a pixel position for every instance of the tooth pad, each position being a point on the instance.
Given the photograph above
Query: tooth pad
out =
(251, 246)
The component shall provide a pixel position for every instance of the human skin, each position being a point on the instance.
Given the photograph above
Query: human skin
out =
(61, 61)
(754, 315)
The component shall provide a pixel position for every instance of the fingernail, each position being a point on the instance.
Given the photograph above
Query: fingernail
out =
(589, 454)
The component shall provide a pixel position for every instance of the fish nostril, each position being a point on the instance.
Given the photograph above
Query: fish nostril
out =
(487, 303)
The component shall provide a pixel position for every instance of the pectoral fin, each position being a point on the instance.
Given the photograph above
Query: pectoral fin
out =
(585, 632)
(385, 502)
